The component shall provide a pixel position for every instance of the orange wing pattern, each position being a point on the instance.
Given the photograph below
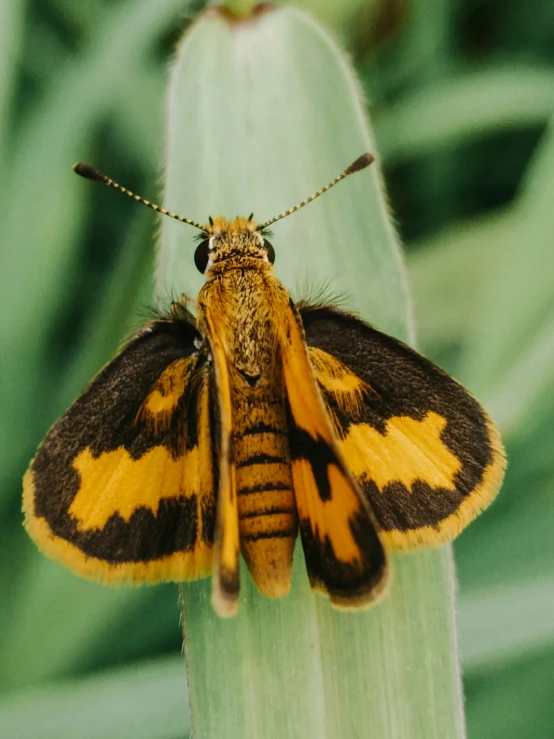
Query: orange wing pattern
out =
(344, 556)
(226, 581)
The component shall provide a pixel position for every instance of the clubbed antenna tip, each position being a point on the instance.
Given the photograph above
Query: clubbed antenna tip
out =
(88, 172)
(361, 163)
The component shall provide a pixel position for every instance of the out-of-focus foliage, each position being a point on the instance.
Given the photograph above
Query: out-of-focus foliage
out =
(461, 95)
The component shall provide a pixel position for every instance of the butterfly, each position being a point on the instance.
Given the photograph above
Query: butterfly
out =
(232, 431)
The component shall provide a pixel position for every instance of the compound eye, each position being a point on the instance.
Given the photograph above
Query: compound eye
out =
(270, 251)
(202, 255)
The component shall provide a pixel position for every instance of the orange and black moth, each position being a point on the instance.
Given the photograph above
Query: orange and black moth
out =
(256, 420)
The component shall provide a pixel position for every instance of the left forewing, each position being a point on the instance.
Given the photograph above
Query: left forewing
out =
(121, 489)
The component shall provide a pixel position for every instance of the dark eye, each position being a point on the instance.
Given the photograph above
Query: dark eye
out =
(202, 255)
(270, 251)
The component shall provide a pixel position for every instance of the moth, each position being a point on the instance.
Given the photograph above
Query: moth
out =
(232, 431)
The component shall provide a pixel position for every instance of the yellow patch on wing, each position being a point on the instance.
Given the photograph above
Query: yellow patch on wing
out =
(345, 386)
(115, 482)
(187, 565)
(408, 451)
(450, 527)
(161, 402)
(329, 518)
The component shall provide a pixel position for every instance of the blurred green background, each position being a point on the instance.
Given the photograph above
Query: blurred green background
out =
(461, 95)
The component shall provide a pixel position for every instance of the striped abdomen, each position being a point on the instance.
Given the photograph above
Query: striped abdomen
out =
(267, 511)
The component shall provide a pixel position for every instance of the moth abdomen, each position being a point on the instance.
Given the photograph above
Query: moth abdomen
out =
(268, 521)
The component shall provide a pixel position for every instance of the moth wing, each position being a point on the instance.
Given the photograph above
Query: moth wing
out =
(425, 453)
(121, 489)
(344, 556)
(226, 580)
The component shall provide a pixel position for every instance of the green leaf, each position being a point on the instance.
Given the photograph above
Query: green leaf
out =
(467, 105)
(449, 271)
(500, 709)
(514, 367)
(146, 701)
(11, 23)
(506, 622)
(261, 114)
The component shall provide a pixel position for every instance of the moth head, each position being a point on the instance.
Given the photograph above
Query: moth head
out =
(222, 239)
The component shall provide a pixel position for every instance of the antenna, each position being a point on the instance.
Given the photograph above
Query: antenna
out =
(361, 163)
(91, 173)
